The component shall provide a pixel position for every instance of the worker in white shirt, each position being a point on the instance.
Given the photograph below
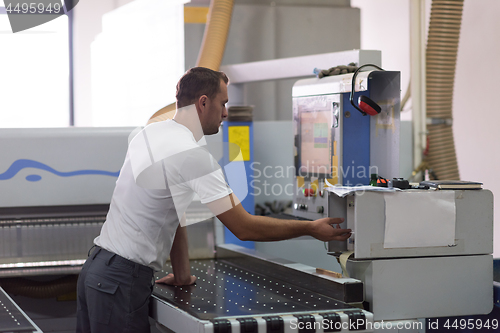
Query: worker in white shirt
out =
(145, 220)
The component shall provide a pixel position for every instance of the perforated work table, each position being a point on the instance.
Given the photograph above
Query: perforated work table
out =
(237, 295)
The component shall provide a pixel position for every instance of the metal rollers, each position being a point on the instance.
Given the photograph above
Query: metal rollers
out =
(441, 59)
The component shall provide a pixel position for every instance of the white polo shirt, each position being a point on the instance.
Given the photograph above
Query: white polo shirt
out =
(163, 170)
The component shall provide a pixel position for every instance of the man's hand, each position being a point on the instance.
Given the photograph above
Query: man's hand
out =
(328, 229)
(172, 281)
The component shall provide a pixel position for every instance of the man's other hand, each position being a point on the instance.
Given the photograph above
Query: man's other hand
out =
(328, 229)
(172, 281)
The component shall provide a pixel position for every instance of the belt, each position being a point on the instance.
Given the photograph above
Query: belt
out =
(113, 257)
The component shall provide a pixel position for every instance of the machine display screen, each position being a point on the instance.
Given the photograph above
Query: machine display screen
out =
(315, 137)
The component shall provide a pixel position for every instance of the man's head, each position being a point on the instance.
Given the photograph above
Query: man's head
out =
(207, 89)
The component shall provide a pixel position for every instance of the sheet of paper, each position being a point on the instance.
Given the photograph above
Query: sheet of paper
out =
(342, 191)
(419, 219)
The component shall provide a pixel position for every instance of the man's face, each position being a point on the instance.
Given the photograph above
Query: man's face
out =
(217, 111)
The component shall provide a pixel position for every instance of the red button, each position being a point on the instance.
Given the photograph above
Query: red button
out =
(309, 192)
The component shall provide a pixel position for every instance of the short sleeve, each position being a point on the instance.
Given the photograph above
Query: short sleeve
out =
(201, 172)
(210, 187)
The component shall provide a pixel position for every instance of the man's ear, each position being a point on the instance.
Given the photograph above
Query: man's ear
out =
(202, 102)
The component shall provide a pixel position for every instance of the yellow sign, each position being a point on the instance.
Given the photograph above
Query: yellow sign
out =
(239, 135)
(300, 181)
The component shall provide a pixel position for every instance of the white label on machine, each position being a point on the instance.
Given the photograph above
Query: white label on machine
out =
(419, 219)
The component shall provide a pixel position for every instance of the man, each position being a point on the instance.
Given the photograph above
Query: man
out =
(145, 220)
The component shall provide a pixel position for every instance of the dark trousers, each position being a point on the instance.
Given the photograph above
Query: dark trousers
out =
(113, 294)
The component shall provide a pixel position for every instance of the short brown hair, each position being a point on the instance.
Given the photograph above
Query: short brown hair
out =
(196, 82)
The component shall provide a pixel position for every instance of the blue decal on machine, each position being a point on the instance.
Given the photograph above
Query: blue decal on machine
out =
(24, 163)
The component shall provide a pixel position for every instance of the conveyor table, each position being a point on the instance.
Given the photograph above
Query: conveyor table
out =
(227, 293)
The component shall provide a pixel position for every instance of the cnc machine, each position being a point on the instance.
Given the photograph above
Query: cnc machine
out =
(419, 253)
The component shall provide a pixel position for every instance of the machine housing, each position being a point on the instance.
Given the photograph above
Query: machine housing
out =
(335, 144)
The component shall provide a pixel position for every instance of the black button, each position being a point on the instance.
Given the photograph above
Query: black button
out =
(307, 323)
(222, 326)
(334, 322)
(357, 320)
(274, 324)
(248, 325)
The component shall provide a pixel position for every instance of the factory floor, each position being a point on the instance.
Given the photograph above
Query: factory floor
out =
(52, 315)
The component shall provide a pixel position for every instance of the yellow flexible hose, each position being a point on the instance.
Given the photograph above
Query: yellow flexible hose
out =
(215, 36)
(441, 59)
(212, 46)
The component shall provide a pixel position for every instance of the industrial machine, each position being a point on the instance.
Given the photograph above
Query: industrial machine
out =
(55, 190)
(416, 251)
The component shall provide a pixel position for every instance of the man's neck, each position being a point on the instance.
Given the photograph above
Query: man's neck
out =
(188, 116)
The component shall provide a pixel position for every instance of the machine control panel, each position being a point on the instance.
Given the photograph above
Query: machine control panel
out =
(336, 144)
(310, 199)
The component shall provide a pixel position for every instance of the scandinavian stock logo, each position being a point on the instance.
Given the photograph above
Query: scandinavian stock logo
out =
(26, 14)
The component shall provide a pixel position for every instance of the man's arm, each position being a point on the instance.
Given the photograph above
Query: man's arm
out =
(261, 228)
(179, 258)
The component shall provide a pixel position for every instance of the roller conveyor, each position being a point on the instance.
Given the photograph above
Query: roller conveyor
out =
(227, 294)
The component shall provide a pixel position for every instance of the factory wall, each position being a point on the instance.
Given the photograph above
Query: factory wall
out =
(264, 30)
(87, 25)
